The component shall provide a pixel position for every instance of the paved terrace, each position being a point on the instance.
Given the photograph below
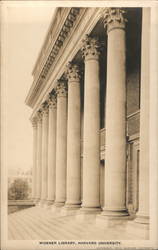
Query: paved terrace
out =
(38, 223)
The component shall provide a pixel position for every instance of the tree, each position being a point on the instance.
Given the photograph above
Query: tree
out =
(19, 190)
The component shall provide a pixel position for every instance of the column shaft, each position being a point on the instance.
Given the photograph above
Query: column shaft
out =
(91, 161)
(61, 145)
(44, 154)
(52, 149)
(39, 157)
(73, 198)
(143, 211)
(115, 155)
(153, 125)
(34, 169)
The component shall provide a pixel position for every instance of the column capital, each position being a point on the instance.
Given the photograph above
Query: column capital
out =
(39, 116)
(34, 122)
(113, 18)
(52, 101)
(44, 109)
(61, 88)
(72, 72)
(90, 48)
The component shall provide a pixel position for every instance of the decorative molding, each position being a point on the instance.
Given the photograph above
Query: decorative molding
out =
(61, 88)
(90, 48)
(72, 72)
(113, 18)
(134, 137)
(133, 114)
(133, 123)
(68, 24)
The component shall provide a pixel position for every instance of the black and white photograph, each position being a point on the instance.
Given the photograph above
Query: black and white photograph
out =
(79, 125)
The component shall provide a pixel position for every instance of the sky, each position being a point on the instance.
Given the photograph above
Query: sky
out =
(24, 32)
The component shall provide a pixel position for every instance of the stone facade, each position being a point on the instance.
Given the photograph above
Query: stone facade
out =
(90, 103)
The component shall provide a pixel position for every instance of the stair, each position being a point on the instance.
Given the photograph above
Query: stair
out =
(37, 223)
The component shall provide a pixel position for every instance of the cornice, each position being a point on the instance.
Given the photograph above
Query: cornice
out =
(61, 32)
(46, 42)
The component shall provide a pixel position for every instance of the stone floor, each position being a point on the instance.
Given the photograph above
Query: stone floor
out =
(39, 223)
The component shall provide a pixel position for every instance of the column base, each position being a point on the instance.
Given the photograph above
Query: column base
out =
(35, 200)
(38, 202)
(142, 219)
(87, 213)
(139, 227)
(110, 218)
(70, 209)
(49, 203)
(57, 206)
(43, 203)
(115, 213)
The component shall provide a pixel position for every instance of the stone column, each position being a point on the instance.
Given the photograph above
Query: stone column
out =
(34, 169)
(44, 153)
(73, 197)
(143, 207)
(151, 14)
(91, 144)
(140, 226)
(115, 155)
(39, 156)
(52, 148)
(61, 144)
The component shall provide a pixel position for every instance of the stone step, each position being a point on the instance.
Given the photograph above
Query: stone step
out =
(55, 226)
(39, 226)
(58, 226)
(18, 234)
(33, 227)
(38, 223)
(25, 225)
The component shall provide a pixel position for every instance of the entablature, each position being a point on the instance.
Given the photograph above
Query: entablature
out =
(84, 24)
(57, 33)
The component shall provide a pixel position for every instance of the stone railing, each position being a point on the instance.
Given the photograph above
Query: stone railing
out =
(17, 205)
(20, 203)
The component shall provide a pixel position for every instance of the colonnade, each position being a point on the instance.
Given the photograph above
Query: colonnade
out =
(57, 156)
